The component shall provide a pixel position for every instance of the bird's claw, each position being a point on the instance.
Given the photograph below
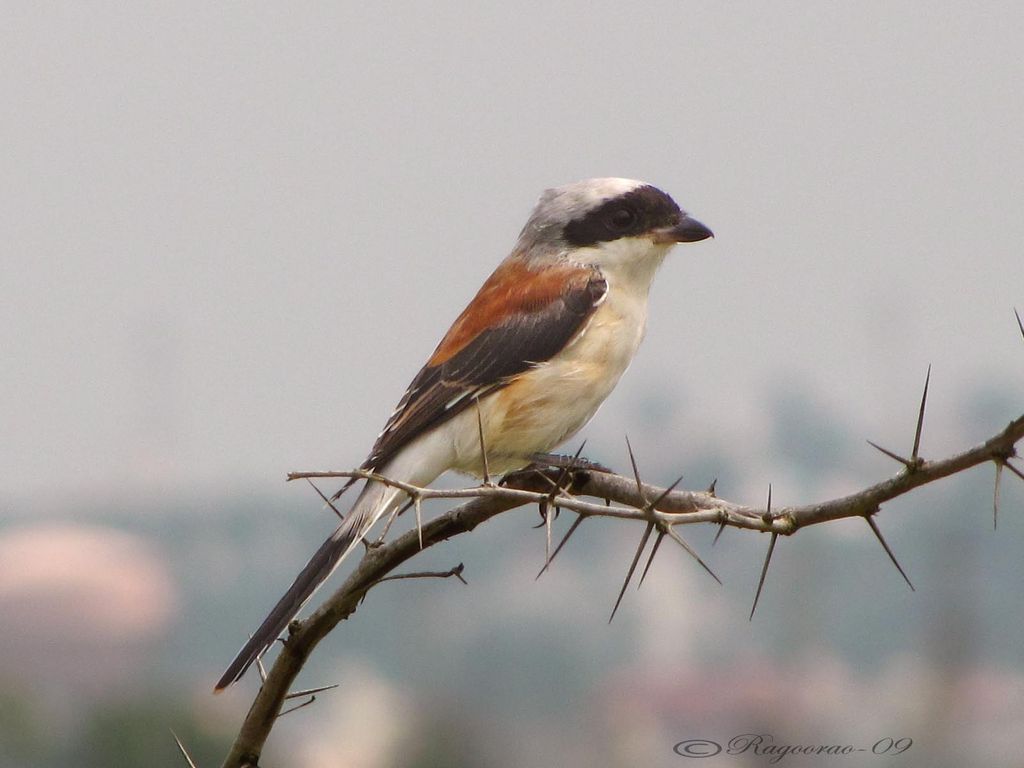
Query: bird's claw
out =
(561, 461)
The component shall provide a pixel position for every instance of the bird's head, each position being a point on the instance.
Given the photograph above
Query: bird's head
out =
(608, 223)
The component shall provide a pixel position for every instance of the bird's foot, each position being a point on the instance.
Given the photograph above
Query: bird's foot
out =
(561, 461)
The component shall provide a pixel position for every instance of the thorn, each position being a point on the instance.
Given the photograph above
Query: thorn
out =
(405, 507)
(721, 527)
(483, 447)
(326, 500)
(556, 488)
(995, 494)
(914, 456)
(1013, 469)
(548, 517)
(184, 752)
(692, 552)
(636, 472)
(895, 456)
(711, 488)
(651, 507)
(556, 485)
(387, 527)
(348, 484)
(419, 517)
(1019, 323)
(885, 546)
(311, 691)
(259, 666)
(568, 469)
(297, 707)
(764, 572)
(632, 567)
(572, 529)
(661, 497)
(542, 475)
(766, 518)
(654, 551)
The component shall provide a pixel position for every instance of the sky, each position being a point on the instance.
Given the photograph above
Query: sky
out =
(233, 232)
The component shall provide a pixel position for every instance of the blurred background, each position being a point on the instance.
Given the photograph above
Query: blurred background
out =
(233, 232)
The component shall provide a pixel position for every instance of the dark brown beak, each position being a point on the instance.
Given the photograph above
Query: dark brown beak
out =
(686, 231)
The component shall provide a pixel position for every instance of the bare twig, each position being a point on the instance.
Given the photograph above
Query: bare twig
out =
(456, 572)
(691, 507)
(620, 497)
(305, 635)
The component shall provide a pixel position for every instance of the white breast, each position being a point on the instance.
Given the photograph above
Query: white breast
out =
(547, 405)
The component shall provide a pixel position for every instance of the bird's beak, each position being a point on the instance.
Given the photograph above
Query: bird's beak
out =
(686, 231)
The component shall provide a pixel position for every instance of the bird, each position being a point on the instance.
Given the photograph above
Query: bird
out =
(522, 369)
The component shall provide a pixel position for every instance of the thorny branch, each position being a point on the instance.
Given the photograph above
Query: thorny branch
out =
(690, 507)
(566, 486)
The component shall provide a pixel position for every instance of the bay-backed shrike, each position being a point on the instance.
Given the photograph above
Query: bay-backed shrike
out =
(538, 349)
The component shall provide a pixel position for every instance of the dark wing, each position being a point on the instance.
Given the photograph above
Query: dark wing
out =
(520, 317)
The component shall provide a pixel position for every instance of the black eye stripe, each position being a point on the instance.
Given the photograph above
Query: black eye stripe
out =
(646, 206)
(622, 218)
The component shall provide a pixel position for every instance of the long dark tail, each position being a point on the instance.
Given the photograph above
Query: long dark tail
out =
(371, 504)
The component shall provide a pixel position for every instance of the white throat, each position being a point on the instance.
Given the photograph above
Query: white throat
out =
(629, 263)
